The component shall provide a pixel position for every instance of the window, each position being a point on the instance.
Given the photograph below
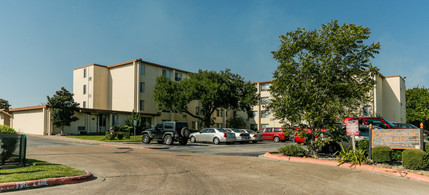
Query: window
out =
(268, 130)
(217, 113)
(221, 113)
(141, 105)
(265, 100)
(115, 119)
(197, 110)
(194, 125)
(84, 73)
(265, 114)
(166, 73)
(255, 114)
(265, 86)
(169, 125)
(254, 127)
(178, 76)
(226, 113)
(84, 89)
(277, 130)
(84, 104)
(142, 69)
(376, 122)
(141, 87)
(219, 125)
(212, 131)
(204, 131)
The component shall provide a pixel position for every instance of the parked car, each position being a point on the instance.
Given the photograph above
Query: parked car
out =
(300, 139)
(364, 122)
(240, 135)
(167, 132)
(213, 135)
(408, 126)
(254, 137)
(273, 133)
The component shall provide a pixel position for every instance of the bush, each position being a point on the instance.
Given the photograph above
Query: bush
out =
(8, 142)
(331, 148)
(120, 135)
(396, 155)
(381, 154)
(426, 147)
(355, 157)
(110, 135)
(414, 159)
(292, 150)
(364, 145)
(127, 135)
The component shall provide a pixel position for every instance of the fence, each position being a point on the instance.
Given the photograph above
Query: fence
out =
(13, 149)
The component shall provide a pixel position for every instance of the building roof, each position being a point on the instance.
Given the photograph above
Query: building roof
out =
(132, 61)
(27, 108)
(91, 110)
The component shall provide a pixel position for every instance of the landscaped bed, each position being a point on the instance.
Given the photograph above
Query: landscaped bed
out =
(37, 170)
(103, 138)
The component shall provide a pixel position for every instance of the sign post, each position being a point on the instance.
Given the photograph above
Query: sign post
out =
(135, 126)
(352, 127)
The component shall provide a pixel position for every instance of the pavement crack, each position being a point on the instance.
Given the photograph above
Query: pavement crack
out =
(147, 175)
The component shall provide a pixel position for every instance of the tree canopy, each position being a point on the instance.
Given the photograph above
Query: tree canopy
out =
(213, 90)
(4, 104)
(417, 106)
(63, 107)
(323, 74)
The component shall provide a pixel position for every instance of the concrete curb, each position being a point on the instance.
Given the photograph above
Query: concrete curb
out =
(45, 182)
(405, 174)
(115, 144)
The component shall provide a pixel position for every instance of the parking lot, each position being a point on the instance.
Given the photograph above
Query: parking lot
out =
(236, 149)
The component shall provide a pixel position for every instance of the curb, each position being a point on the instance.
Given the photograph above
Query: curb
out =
(45, 182)
(404, 174)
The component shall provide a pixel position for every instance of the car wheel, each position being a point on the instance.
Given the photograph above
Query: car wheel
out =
(276, 139)
(183, 142)
(193, 140)
(216, 141)
(255, 142)
(185, 132)
(168, 140)
(146, 139)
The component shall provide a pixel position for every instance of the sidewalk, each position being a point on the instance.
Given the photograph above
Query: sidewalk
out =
(371, 168)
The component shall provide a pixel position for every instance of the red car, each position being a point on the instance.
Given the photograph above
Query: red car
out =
(364, 123)
(272, 133)
(302, 139)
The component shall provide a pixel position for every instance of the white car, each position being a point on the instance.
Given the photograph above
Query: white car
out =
(254, 137)
(241, 135)
(213, 135)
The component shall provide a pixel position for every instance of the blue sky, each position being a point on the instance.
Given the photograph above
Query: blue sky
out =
(42, 41)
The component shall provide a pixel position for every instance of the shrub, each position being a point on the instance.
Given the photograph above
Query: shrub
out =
(110, 135)
(414, 159)
(331, 148)
(8, 142)
(396, 155)
(120, 135)
(381, 154)
(127, 135)
(292, 150)
(426, 147)
(364, 145)
(355, 157)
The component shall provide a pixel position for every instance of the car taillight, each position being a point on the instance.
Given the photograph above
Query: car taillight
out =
(224, 134)
(254, 135)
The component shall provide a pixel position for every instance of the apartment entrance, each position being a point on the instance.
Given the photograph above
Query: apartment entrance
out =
(101, 123)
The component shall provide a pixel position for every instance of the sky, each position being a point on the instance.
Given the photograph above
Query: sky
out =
(42, 41)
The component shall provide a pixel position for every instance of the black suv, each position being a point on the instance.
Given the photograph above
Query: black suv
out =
(167, 132)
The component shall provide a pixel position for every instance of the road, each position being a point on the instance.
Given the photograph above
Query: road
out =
(123, 170)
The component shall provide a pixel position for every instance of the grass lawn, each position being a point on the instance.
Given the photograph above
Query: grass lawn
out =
(102, 138)
(37, 170)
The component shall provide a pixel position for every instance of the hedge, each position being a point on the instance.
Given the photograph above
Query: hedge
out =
(381, 154)
(414, 159)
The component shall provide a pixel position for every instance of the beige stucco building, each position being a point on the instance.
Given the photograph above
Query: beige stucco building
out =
(388, 102)
(107, 96)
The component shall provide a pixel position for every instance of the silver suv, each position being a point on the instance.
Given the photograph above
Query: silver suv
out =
(167, 132)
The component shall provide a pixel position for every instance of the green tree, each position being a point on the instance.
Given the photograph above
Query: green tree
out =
(323, 75)
(4, 104)
(212, 89)
(418, 106)
(63, 108)
(237, 122)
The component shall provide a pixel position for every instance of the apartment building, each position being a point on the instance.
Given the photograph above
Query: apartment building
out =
(388, 102)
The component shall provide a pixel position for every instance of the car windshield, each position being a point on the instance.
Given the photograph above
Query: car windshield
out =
(221, 130)
(390, 124)
(250, 131)
(413, 126)
(236, 131)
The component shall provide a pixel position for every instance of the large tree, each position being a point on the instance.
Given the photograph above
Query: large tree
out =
(4, 104)
(323, 74)
(63, 108)
(213, 90)
(418, 106)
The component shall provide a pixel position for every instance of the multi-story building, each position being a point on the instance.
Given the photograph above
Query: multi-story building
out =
(388, 102)
(107, 96)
